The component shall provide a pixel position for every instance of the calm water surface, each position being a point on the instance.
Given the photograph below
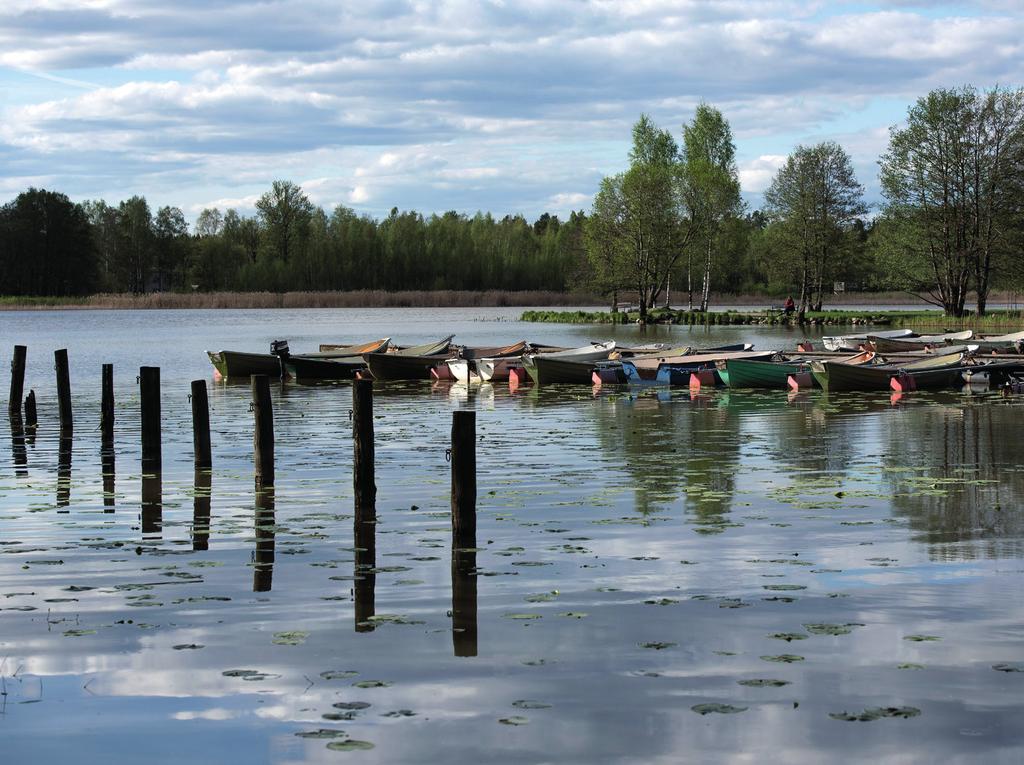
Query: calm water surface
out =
(660, 577)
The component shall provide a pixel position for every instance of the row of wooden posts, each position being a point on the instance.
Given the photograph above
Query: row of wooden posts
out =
(462, 452)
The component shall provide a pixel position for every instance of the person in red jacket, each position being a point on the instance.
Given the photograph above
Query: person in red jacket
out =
(789, 307)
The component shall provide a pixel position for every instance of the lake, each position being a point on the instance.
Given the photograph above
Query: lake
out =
(659, 576)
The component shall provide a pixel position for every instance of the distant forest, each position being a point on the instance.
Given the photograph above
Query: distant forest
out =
(668, 229)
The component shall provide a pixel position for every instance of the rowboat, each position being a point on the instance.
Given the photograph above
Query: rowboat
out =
(1011, 343)
(649, 367)
(311, 368)
(374, 346)
(854, 342)
(516, 349)
(920, 343)
(412, 363)
(840, 376)
(497, 369)
(757, 373)
(992, 374)
(243, 364)
(570, 366)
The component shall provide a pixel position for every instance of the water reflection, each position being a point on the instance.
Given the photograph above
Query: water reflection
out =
(64, 469)
(464, 609)
(964, 492)
(152, 505)
(201, 510)
(18, 450)
(108, 467)
(263, 555)
(364, 571)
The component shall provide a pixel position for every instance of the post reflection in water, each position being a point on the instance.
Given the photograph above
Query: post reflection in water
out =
(18, 446)
(64, 469)
(152, 504)
(263, 556)
(365, 577)
(107, 463)
(201, 510)
(464, 631)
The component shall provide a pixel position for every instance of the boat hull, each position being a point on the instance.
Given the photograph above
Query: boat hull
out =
(550, 371)
(396, 366)
(239, 364)
(304, 368)
(747, 373)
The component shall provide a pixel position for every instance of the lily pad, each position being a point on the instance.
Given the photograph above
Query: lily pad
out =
(788, 636)
(922, 638)
(372, 684)
(658, 646)
(290, 638)
(763, 682)
(722, 709)
(832, 629)
(338, 674)
(321, 733)
(349, 745)
(876, 713)
(514, 720)
(530, 704)
(783, 658)
(1015, 666)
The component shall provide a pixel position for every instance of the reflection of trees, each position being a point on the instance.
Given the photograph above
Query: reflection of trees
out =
(674, 445)
(964, 499)
(814, 431)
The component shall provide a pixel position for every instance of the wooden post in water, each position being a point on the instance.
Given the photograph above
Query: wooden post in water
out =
(463, 455)
(149, 393)
(364, 483)
(60, 360)
(31, 417)
(263, 434)
(107, 408)
(17, 379)
(201, 426)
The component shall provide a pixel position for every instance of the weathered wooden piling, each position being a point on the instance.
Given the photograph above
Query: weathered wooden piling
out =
(17, 379)
(201, 426)
(152, 504)
(263, 433)
(463, 456)
(107, 408)
(149, 394)
(364, 482)
(31, 416)
(60, 361)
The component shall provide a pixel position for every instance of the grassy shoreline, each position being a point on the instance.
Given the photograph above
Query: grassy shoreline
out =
(869, 317)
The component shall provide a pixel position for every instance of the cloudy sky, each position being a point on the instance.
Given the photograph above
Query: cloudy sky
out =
(502, 105)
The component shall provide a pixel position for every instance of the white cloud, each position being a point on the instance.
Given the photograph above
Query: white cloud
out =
(756, 175)
(456, 103)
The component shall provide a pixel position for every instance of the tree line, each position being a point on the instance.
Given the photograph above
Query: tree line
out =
(673, 223)
(951, 223)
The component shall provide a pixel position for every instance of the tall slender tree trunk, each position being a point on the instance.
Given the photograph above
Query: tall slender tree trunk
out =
(689, 279)
(615, 300)
(706, 289)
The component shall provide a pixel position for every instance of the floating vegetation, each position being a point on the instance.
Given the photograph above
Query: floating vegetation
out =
(322, 733)
(523, 617)
(542, 597)
(514, 720)
(658, 646)
(719, 709)
(372, 684)
(922, 638)
(761, 682)
(832, 629)
(1015, 666)
(530, 704)
(876, 713)
(349, 745)
(783, 658)
(338, 674)
(295, 637)
(788, 636)
(909, 665)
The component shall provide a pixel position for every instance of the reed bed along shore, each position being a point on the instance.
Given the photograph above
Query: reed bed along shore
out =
(325, 299)
(1001, 319)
